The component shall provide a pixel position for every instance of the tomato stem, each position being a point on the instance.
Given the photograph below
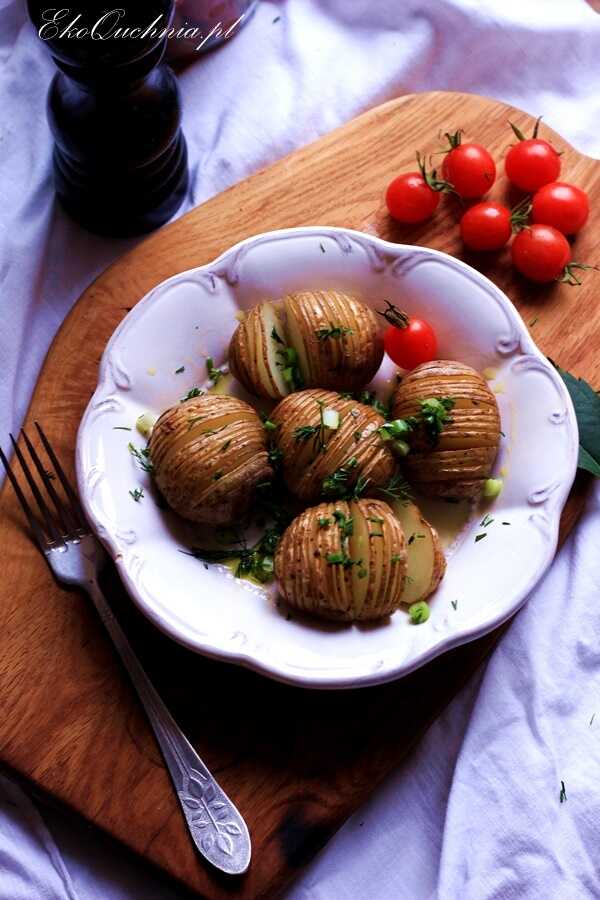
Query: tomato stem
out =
(432, 181)
(393, 315)
(454, 139)
(519, 215)
(569, 277)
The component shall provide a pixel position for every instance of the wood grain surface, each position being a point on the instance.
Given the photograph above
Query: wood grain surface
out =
(296, 762)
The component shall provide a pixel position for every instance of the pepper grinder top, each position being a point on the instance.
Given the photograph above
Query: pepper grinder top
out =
(120, 159)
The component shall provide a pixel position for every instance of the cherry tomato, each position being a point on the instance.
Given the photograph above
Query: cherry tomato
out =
(486, 226)
(541, 253)
(410, 346)
(470, 170)
(563, 206)
(532, 163)
(409, 198)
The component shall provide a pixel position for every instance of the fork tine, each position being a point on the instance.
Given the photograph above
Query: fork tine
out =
(60, 506)
(51, 528)
(38, 534)
(76, 509)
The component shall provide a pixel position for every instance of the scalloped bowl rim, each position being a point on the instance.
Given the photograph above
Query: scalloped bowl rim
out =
(324, 677)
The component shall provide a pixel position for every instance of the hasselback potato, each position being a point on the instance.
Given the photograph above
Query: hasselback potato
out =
(328, 442)
(343, 561)
(208, 454)
(322, 339)
(460, 459)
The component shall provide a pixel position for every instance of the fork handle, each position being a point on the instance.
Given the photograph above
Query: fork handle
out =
(215, 825)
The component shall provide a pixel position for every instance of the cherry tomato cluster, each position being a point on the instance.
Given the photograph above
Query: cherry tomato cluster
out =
(551, 209)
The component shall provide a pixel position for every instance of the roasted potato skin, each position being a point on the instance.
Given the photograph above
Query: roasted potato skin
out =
(462, 459)
(309, 582)
(345, 362)
(208, 454)
(248, 359)
(305, 465)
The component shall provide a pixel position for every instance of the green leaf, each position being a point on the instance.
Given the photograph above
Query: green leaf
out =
(587, 409)
(586, 461)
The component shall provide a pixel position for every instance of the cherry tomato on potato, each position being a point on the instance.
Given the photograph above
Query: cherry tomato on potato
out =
(532, 163)
(470, 169)
(541, 253)
(561, 205)
(486, 226)
(412, 345)
(410, 200)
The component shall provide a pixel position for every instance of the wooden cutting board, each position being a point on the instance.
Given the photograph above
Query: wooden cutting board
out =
(296, 762)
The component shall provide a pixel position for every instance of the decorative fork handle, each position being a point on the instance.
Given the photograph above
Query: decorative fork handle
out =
(216, 827)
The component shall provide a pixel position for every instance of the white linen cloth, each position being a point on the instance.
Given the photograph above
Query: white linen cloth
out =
(475, 812)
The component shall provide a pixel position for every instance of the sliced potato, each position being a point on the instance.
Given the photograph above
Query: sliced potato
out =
(426, 563)
(355, 445)
(460, 461)
(343, 561)
(208, 454)
(253, 356)
(337, 339)
(334, 337)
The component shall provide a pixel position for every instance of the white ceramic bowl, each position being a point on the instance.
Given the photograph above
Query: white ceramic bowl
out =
(191, 316)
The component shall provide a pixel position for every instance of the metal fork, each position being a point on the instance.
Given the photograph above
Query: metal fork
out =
(76, 557)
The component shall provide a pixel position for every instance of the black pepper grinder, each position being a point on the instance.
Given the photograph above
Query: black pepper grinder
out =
(120, 158)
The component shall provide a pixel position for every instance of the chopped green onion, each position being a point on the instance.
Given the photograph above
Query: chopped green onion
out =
(419, 612)
(492, 488)
(145, 424)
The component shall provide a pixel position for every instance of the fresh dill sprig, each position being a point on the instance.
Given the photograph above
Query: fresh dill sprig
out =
(215, 374)
(192, 393)
(137, 494)
(141, 456)
(396, 489)
(336, 484)
(334, 331)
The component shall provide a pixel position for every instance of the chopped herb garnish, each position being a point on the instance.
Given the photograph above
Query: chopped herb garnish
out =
(480, 537)
(486, 521)
(180, 370)
(324, 521)
(288, 362)
(592, 719)
(334, 331)
(256, 561)
(276, 337)
(533, 321)
(142, 457)
(122, 428)
(419, 612)
(214, 374)
(397, 489)
(357, 436)
(399, 428)
(505, 523)
(342, 559)
(304, 432)
(322, 248)
(217, 476)
(336, 484)
(563, 793)
(454, 604)
(193, 392)
(376, 534)
(137, 494)
(362, 573)
(415, 537)
(226, 445)
(434, 416)
(275, 456)
(269, 426)
(376, 519)
(345, 523)
(396, 558)
(369, 398)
